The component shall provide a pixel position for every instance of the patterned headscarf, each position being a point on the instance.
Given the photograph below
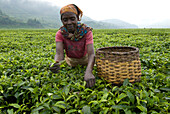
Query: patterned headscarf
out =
(72, 8)
(82, 29)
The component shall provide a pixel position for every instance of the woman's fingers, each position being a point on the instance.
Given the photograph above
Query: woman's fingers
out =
(54, 67)
(87, 83)
(90, 83)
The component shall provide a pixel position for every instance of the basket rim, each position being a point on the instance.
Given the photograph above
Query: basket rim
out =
(99, 50)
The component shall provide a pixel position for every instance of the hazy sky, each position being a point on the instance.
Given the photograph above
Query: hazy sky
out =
(132, 11)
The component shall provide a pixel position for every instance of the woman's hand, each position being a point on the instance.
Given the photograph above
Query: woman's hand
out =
(54, 67)
(90, 79)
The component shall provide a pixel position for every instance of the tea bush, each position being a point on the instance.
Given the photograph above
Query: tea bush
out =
(27, 86)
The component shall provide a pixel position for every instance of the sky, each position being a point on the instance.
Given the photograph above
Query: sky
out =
(139, 12)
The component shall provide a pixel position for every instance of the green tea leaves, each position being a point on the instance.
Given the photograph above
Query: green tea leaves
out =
(28, 86)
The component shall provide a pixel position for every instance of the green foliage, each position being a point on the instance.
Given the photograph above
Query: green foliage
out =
(27, 86)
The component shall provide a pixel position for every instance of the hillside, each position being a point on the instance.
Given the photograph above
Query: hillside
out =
(8, 22)
(23, 10)
(120, 23)
(100, 25)
(48, 16)
(162, 24)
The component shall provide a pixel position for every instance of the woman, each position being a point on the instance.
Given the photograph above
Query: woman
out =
(77, 40)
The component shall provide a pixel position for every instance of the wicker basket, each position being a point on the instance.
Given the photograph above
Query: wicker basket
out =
(115, 64)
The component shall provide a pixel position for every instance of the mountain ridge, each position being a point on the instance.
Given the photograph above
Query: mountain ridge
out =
(160, 24)
(120, 23)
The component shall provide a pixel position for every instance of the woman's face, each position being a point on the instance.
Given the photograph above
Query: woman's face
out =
(69, 20)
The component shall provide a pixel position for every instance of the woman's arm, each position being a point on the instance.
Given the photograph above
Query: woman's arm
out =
(89, 77)
(59, 56)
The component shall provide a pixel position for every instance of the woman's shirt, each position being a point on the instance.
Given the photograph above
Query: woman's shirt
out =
(75, 49)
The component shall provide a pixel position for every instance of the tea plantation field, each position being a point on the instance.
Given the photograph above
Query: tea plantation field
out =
(27, 86)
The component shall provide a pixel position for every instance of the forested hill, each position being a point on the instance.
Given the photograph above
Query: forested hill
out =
(23, 10)
(8, 22)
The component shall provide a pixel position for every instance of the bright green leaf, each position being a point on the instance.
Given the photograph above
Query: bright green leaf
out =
(70, 97)
(142, 108)
(60, 106)
(37, 109)
(71, 111)
(94, 102)
(31, 89)
(14, 105)
(114, 88)
(120, 97)
(104, 97)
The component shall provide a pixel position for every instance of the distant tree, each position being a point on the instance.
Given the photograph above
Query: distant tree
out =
(1, 12)
(4, 19)
(34, 23)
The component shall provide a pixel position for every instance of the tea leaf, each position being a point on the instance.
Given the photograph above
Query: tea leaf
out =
(31, 89)
(165, 89)
(14, 105)
(131, 96)
(37, 109)
(10, 111)
(66, 89)
(104, 97)
(120, 97)
(56, 109)
(114, 88)
(71, 111)
(94, 102)
(56, 97)
(70, 97)
(127, 111)
(86, 110)
(60, 106)
(126, 82)
(142, 108)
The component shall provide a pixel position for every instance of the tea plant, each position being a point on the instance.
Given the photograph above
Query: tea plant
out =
(27, 86)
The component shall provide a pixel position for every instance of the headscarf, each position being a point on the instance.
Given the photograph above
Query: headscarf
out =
(72, 8)
(82, 29)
